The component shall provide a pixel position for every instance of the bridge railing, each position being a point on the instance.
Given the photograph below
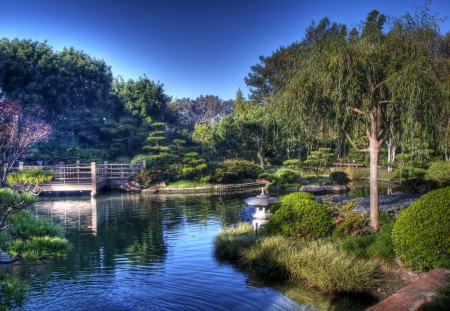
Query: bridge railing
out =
(87, 173)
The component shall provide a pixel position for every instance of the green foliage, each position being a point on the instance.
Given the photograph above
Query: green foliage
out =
(322, 264)
(203, 135)
(27, 226)
(146, 178)
(440, 301)
(11, 199)
(29, 179)
(440, 172)
(301, 216)
(193, 167)
(319, 160)
(382, 248)
(31, 238)
(230, 242)
(292, 163)
(376, 246)
(13, 292)
(420, 235)
(325, 265)
(353, 223)
(187, 184)
(233, 170)
(340, 178)
(266, 256)
(285, 175)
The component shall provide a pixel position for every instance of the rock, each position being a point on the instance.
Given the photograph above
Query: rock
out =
(413, 296)
(134, 184)
(336, 188)
(312, 188)
(150, 190)
(130, 187)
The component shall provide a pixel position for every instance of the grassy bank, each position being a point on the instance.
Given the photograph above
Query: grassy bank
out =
(322, 264)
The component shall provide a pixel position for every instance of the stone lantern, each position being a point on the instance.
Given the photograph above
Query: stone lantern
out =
(262, 205)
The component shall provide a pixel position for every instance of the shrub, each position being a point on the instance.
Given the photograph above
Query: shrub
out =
(358, 244)
(340, 178)
(420, 235)
(440, 172)
(146, 177)
(232, 241)
(382, 247)
(353, 223)
(287, 175)
(300, 215)
(232, 170)
(292, 163)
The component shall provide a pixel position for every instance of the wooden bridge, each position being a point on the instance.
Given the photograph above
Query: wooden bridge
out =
(87, 176)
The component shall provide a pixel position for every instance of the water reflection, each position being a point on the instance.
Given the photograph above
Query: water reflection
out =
(141, 252)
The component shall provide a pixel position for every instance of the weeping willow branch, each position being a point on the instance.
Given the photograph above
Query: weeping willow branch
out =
(352, 142)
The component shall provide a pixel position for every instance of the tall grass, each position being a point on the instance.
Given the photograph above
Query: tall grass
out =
(231, 242)
(322, 264)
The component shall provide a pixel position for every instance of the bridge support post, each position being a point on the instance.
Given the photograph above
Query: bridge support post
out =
(93, 179)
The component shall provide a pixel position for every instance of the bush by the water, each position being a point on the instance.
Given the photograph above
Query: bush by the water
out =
(232, 241)
(287, 175)
(440, 172)
(340, 178)
(233, 170)
(421, 234)
(301, 216)
(321, 264)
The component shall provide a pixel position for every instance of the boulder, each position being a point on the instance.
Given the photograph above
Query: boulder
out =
(312, 188)
(335, 188)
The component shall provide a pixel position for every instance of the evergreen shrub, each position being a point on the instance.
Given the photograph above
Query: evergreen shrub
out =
(301, 216)
(233, 170)
(440, 172)
(421, 234)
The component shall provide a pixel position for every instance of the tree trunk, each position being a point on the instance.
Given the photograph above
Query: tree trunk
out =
(260, 154)
(374, 151)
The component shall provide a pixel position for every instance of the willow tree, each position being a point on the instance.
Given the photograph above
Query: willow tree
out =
(365, 82)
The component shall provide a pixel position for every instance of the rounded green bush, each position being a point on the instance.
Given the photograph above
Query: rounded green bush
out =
(301, 216)
(440, 172)
(421, 234)
(341, 178)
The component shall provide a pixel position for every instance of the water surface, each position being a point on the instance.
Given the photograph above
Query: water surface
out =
(153, 252)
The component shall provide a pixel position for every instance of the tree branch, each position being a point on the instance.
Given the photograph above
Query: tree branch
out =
(358, 111)
(354, 144)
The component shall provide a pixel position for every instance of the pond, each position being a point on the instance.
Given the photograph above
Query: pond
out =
(154, 252)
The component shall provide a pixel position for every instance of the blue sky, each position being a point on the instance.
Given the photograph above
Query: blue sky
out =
(194, 47)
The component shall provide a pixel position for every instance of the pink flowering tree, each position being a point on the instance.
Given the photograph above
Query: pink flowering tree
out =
(19, 129)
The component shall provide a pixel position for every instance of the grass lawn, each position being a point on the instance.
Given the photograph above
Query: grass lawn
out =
(188, 184)
(364, 172)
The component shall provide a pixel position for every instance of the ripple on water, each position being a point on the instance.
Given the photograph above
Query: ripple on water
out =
(134, 252)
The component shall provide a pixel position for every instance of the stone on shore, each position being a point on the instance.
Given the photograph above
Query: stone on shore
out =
(413, 296)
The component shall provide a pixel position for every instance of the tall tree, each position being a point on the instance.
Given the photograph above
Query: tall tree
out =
(366, 81)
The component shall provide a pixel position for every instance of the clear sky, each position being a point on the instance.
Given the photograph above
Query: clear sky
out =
(194, 47)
